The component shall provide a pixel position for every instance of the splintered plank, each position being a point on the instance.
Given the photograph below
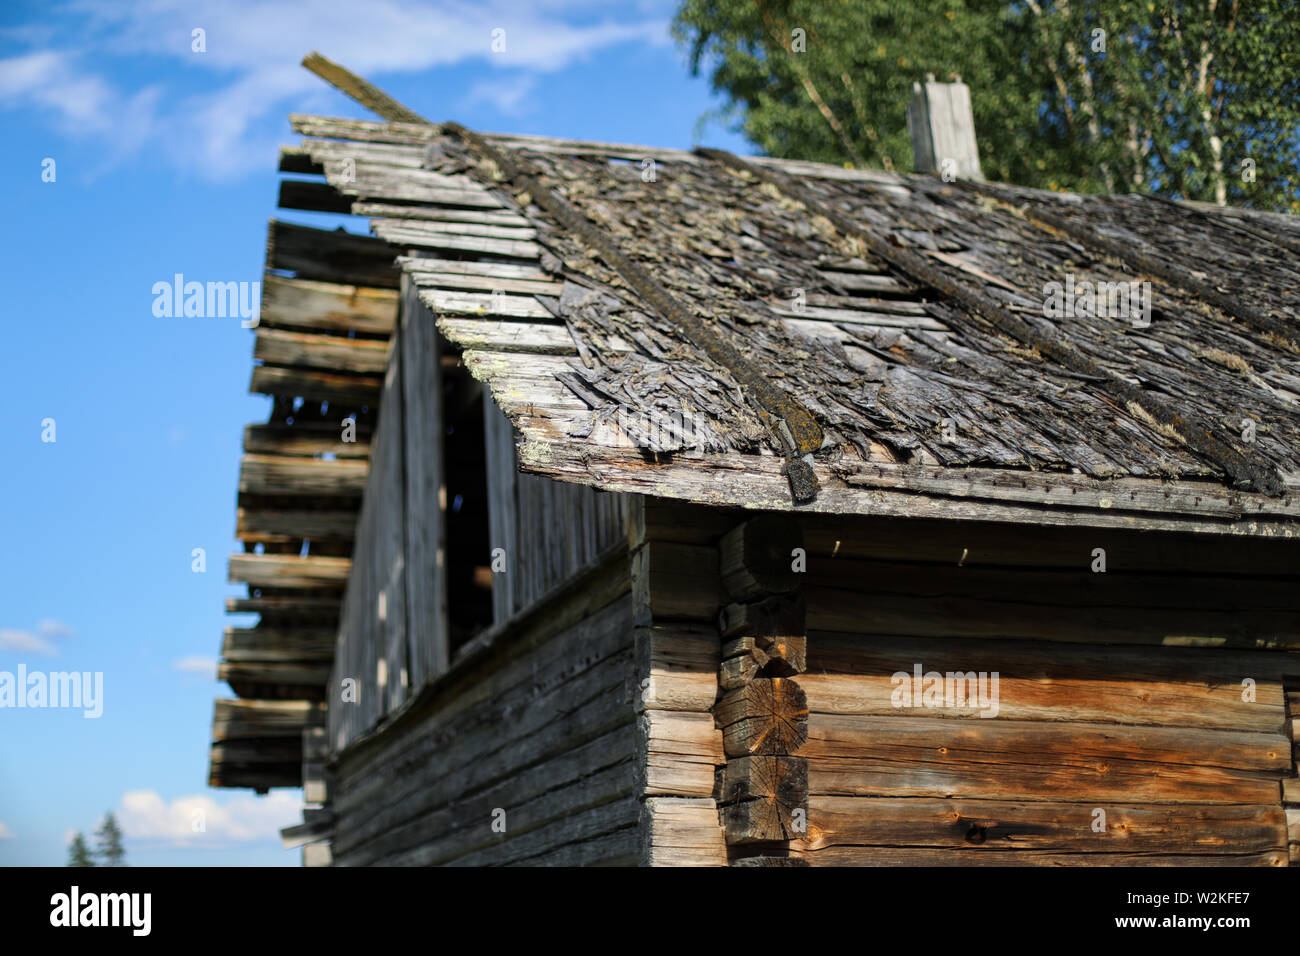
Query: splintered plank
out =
(316, 477)
(333, 352)
(350, 390)
(289, 570)
(329, 255)
(446, 281)
(307, 439)
(328, 306)
(278, 644)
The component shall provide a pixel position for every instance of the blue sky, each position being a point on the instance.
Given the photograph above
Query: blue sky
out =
(164, 162)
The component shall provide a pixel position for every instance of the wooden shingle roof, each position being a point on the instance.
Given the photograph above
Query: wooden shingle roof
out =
(904, 314)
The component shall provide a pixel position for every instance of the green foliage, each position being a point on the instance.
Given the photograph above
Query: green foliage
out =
(108, 836)
(1106, 95)
(78, 852)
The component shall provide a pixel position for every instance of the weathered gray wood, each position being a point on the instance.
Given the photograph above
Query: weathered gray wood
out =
(426, 592)
(334, 352)
(333, 256)
(942, 128)
(288, 571)
(327, 306)
(311, 477)
(346, 391)
(308, 439)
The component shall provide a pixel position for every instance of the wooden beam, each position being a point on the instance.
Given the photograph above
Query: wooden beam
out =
(332, 352)
(309, 477)
(278, 644)
(333, 256)
(350, 391)
(313, 197)
(326, 306)
(289, 571)
(307, 439)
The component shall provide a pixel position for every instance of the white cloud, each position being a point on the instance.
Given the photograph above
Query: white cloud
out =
(39, 641)
(250, 71)
(197, 664)
(5, 832)
(508, 96)
(144, 815)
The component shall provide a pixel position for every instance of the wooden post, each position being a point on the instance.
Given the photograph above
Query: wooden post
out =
(942, 127)
(763, 714)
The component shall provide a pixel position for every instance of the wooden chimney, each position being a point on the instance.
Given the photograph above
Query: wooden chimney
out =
(942, 127)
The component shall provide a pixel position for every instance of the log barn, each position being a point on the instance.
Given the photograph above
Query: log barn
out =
(623, 505)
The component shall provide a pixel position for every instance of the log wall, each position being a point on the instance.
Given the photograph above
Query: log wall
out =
(523, 754)
(1144, 713)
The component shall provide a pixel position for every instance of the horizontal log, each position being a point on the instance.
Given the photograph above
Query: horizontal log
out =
(253, 524)
(348, 391)
(1177, 687)
(331, 255)
(326, 306)
(260, 672)
(1000, 759)
(312, 477)
(681, 831)
(307, 439)
(264, 718)
(278, 644)
(311, 608)
(334, 352)
(976, 544)
(676, 581)
(991, 826)
(271, 750)
(678, 753)
(930, 857)
(289, 570)
(678, 665)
